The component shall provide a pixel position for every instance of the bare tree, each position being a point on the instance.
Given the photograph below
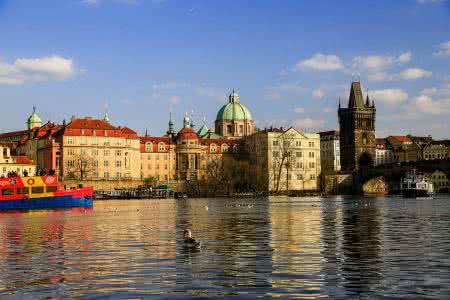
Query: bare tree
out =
(80, 166)
(282, 157)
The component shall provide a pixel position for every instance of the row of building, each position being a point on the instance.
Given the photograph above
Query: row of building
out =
(284, 159)
(94, 149)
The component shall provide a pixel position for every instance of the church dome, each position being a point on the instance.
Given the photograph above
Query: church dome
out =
(34, 120)
(187, 133)
(234, 110)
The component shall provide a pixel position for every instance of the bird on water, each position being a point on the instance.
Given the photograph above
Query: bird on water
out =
(190, 241)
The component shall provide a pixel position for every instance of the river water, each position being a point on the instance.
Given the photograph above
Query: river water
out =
(293, 248)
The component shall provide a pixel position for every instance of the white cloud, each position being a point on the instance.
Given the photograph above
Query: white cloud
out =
(445, 49)
(378, 62)
(426, 104)
(174, 100)
(90, 2)
(379, 77)
(299, 110)
(429, 1)
(320, 62)
(414, 73)
(432, 91)
(170, 85)
(389, 96)
(36, 69)
(318, 93)
(309, 123)
(404, 57)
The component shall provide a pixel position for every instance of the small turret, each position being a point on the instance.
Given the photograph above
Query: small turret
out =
(171, 130)
(186, 121)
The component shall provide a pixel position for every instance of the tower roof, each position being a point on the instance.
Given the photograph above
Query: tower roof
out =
(356, 98)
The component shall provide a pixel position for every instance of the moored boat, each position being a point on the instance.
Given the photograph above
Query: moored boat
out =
(41, 192)
(415, 185)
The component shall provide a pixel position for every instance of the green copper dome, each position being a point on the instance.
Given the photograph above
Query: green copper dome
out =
(234, 110)
(34, 120)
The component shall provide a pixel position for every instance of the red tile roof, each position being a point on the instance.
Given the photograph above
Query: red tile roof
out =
(401, 138)
(13, 133)
(95, 127)
(22, 159)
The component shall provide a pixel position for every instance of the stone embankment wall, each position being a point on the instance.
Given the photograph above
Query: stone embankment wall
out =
(105, 184)
(336, 184)
(376, 186)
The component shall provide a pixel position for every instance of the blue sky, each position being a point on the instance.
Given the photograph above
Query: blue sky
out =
(289, 60)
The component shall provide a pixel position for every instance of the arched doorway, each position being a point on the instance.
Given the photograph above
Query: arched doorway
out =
(365, 160)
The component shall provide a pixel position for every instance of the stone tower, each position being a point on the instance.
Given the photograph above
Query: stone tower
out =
(357, 131)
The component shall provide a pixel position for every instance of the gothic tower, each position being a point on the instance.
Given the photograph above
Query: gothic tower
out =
(357, 131)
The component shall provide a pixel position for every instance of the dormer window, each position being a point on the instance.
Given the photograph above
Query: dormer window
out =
(161, 147)
(149, 147)
(213, 148)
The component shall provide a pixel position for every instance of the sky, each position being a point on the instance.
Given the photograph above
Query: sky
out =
(290, 61)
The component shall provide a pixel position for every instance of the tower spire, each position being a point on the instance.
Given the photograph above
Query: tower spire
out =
(171, 130)
(367, 99)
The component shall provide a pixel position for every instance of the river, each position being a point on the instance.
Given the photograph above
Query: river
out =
(293, 248)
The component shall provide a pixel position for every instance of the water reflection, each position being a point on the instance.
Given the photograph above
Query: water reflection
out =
(293, 248)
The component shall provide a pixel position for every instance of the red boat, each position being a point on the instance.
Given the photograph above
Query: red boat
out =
(41, 192)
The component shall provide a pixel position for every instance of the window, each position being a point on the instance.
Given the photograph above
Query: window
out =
(106, 152)
(106, 175)
(298, 143)
(312, 176)
(275, 143)
(286, 143)
(224, 148)
(213, 148)
(22, 191)
(229, 129)
(118, 153)
(298, 154)
(118, 163)
(241, 128)
(94, 140)
(106, 163)
(311, 164)
(148, 147)
(311, 154)
(106, 140)
(71, 151)
(299, 177)
(118, 175)
(51, 189)
(7, 192)
(37, 189)
(94, 152)
(275, 154)
(165, 156)
(71, 163)
(95, 163)
(83, 151)
(161, 147)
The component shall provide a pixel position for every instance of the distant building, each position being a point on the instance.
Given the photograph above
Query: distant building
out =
(357, 131)
(440, 181)
(20, 165)
(287, 160)
(383, 153)
(234, 120)
(404, 148)
(330, 158)
(435, 150)
(181, 156)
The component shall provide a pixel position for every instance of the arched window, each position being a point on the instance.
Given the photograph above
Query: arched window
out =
(224, 148)
(149, 147)
(364, 138)
(212, 148)
(161, 147)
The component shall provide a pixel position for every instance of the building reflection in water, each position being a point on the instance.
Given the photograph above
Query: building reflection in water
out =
(296, 239)
(236, 251)
(352, 247)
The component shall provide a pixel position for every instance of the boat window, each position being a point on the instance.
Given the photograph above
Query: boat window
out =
(22, 191)
(7, 192)
(37, 189)
(51, 189)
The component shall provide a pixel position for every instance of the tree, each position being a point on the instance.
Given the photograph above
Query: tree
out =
(152, 180)
(282, 157)
(80, 166)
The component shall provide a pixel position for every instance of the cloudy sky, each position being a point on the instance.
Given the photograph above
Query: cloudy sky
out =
(289, 60)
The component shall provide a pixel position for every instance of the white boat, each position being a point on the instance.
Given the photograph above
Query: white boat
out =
(416, 184)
